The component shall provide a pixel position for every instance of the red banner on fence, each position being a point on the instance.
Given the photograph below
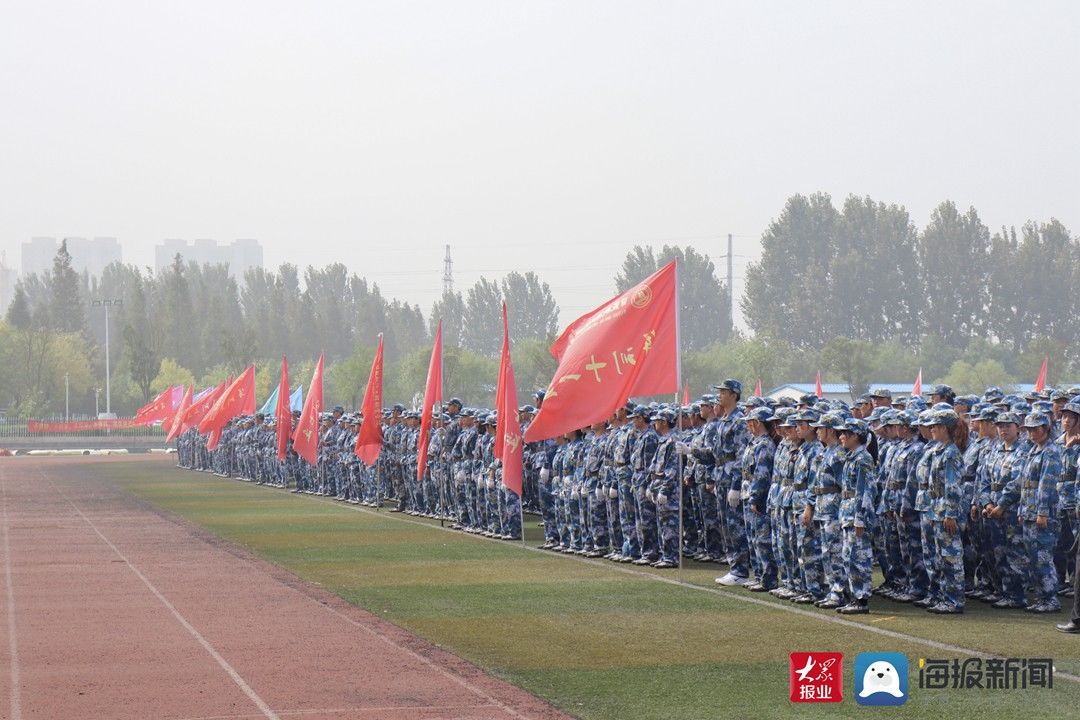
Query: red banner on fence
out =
(38, 426)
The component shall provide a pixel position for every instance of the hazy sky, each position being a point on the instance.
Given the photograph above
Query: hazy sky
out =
(539, 135)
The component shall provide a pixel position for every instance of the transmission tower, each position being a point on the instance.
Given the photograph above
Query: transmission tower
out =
(448, 273)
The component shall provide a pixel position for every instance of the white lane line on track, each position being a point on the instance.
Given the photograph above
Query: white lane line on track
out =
(914, 639)
(240, 682)
(13, 642)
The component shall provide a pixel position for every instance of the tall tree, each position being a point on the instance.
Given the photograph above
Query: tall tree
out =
(704, 311)
(18, 312)
(784, 293)
(67, 308)
(177, 318)
(141, 344)
(450, 308)
(533, 310)
(954, 253)
(482, 331)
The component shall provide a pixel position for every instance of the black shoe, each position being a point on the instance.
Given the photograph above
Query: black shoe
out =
(857, 607)
(1072, 627)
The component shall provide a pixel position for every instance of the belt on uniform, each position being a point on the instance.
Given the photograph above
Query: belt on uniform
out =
(725, 458)
(847, 494)
(997, 487)
(786, 483)
(895, 485)
(619, 464)
(799, 486)
(826, 491)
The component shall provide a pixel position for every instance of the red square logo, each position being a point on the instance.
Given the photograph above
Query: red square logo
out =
(816, 677)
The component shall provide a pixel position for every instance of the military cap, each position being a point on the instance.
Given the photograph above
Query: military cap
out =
(755, 402)
(877, 413)
(855, 425)
(925, 419)
(730, 384)
(829, 420)
(785, 416)
(822, 406)
(1043, 406)
(865, 399)
(1037, 419)
(338, 408)
(809, 399)
(1021, 408)
(1073, 390)
(942, 389)
(968, 401)
(709, 398)
(809, 415)
(899, 401)
(881, 393)
(901, 417)
(1072, 406)
(948, 418)
(1060, 395)
(1007, 418)
(987, 413)
(527, 409)
(296, 413)
(993, 393)
(665, 414)
(640, 411)
(540, 394)
(761, 414)
(455, 401)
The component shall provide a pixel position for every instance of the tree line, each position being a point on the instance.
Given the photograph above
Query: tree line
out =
(196, 324)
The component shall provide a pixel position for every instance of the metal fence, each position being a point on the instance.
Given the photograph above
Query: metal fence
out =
(19, 428)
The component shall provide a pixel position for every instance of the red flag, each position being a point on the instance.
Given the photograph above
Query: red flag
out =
(817, 386)
(306, 436)
(237, 399)
(916, 389)
(369, 439)
(686, 393)
(200, 407)
(160, 407)
(282, 412)
(757, 388)
(1040, 382)
(178, 418)
(628, 346)
(432, 394)
(508, 445)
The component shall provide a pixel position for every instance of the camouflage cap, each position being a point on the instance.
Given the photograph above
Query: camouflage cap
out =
(1037, 419)
(1008, 418)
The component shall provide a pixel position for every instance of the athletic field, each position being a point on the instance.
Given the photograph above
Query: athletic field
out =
(114, 570)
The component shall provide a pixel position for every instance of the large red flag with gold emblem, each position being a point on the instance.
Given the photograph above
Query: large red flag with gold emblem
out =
(432, 394)
(369, 439)
(282, 412)
(306, 435)
(508, 445)
(177, 420)
(627, 346)
(237, 399)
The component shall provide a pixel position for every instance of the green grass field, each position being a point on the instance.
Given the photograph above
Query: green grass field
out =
(594, 638)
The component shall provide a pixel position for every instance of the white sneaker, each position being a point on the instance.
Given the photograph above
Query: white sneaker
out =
(731, 580)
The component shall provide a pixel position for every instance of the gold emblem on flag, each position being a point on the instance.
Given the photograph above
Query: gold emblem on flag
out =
(642, 297)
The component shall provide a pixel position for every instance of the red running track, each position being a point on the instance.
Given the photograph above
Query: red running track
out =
(111, 609)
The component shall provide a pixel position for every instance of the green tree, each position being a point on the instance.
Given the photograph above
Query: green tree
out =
(141, 343)
(450, 308)
(179, 331)
(785, 294)
(170, 373)
(964, 377)
(18, 312)
(852, 360)
(954, 255)
(532, 310)
(67, 309)
(482, 330)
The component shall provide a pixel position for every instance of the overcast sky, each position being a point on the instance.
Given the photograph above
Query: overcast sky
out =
(540, 135)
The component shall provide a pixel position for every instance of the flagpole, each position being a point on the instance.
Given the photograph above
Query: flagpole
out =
(678, 384)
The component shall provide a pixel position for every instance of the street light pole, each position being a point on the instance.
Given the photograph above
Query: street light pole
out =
(108, 375)
(67, 398)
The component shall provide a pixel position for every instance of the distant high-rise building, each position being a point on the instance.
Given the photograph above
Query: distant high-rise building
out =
(8, 278)
(240, 255)
(87, 255)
